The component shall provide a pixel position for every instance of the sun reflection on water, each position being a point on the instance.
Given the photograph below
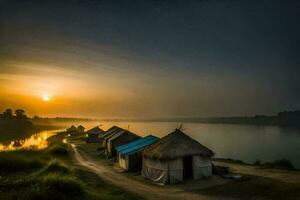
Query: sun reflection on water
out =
(35, 141)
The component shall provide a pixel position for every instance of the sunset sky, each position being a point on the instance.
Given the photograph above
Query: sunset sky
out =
(149, 58)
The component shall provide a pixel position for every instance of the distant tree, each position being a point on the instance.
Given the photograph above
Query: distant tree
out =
(7, 114)
(20, 114)
(35, 117)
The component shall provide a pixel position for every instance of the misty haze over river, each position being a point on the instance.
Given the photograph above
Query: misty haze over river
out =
(243, 142)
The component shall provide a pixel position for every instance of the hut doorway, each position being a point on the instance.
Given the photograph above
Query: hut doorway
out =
(188, 167)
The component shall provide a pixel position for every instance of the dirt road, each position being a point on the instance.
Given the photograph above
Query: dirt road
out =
(142, 189)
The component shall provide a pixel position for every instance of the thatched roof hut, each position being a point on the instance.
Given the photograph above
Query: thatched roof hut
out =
(95, 130)
(175, 145)
(109, 133)
(116, 138)
(93, 135)
(130, 155)
(72, 130)
(176, 157)
(80, 129)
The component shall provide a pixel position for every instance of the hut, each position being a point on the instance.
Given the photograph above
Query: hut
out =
(109, 133)
(119, 138)
(93, 135)
(176, 157)
(72, 131)
(80, 129)
(130, 155)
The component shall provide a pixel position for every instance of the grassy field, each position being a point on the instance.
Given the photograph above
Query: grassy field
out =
(51, 174)
(251, 187)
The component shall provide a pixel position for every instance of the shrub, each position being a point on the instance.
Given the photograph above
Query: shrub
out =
(58, 149)
(279, 164)
(55, 166)
(284, 164)
(11, 162)
(61, 186)
(47, 187)
(257, 162)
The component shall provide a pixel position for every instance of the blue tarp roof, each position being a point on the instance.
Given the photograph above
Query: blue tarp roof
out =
(137, 145)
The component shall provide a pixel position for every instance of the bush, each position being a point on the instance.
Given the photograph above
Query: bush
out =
(257, 162)
(47, 187)
(11, 162)
(55, 166)
(279, 164)
(58, 186)
(284, 164)
(58, 149)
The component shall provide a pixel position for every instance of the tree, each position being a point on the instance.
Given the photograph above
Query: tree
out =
(35, 117)
(7, 114)
(20, 114)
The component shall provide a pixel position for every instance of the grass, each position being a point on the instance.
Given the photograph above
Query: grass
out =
(48, 186)
(50, 174)
(55, 166)
(103, 190)
(58, 186)
(255, 188)
(78, 137)
(278, 164)
(229, 160)
(58, 150)
(13, 162)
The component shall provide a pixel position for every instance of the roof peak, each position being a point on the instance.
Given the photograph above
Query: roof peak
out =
(177, 144)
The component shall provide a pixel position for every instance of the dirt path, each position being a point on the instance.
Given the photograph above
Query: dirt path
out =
(145, 190)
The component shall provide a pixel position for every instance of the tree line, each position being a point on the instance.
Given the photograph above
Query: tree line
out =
(17, 121)
(19, 114)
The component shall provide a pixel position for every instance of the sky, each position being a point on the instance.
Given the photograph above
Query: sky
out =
(149, 58)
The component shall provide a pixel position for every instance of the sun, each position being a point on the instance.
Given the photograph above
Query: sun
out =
(46, 98)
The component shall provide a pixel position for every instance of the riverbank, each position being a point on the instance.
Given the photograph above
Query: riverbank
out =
(51, 173)
(256, 182)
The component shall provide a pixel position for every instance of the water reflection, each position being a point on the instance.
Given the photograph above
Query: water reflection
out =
(35, 141)
(243, 142)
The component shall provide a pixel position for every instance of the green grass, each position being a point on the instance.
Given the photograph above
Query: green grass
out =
(48, 186)
(255, 188)
(55, 166)
(58, 150)
(278, 164)
(50, 174)
(99, 189)
(13, 162)
(229, 160)
(58, 186)
(78, 137)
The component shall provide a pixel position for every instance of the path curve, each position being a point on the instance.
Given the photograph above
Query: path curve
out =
(144, 190)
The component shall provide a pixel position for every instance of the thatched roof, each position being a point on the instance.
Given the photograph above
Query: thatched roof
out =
(112, 130)
(81, 127)
(175, 145)
(72, 128)
(95, 130)
(128, 134)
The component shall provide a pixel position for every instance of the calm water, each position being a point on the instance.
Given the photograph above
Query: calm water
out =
(243, 142)
(35, 141)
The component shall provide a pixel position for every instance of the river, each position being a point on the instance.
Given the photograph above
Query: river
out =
(243, 142)
(35, 141)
